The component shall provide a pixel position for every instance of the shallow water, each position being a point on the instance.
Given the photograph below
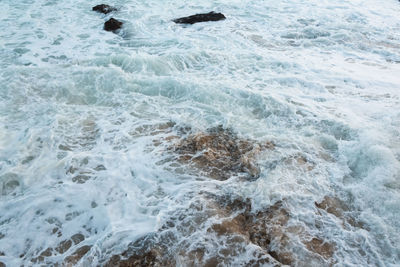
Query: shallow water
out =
(86, 119)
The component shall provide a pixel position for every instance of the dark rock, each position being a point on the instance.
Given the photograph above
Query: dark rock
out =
(105, 9)
(212, 16)
(112, 25)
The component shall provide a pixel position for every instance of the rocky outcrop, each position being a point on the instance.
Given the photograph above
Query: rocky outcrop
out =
(219, 153)
(337, 207)
(112, 25)
(105, 9)
(211, 16)
(217, 228)
(229, 224)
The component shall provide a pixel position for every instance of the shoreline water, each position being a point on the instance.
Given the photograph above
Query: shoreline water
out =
(267, 138)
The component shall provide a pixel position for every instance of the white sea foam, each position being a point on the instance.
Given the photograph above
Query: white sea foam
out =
(81, 109)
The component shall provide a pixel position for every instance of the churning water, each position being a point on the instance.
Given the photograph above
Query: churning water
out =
(94, 127)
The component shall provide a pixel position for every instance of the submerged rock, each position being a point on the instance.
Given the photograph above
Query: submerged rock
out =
(220, 153)
(269, 228)
(112, 25)
(340, 209)
(211, 16)
(265, 228)
(48, 254)
(217, 152)
(105, 9)
(228, 225)
(319, 246)
(149, 258)
(75, 257)
(148, 250)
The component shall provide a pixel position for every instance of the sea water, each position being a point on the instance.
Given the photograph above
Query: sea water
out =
(81, 109)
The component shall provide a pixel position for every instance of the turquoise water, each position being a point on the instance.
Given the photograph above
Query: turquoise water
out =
(81, 109)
